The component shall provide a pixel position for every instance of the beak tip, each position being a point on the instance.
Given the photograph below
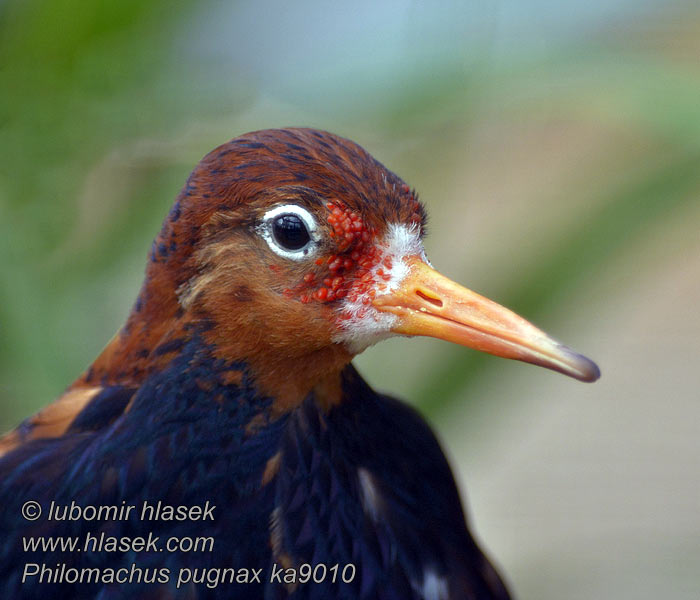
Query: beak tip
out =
(592, 373)
(582, 368)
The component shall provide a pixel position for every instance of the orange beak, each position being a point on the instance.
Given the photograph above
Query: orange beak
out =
(428, 303)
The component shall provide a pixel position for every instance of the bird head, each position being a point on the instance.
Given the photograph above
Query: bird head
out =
(293, 250)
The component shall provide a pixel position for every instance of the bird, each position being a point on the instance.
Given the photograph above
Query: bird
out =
(223, 445)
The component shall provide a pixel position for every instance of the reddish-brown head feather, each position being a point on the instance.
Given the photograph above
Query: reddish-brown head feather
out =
(208, 266)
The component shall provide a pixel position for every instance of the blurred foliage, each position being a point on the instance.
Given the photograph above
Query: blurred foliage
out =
(81, 81)
(103, 112)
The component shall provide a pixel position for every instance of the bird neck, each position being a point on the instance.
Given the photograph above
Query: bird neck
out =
(143, 349)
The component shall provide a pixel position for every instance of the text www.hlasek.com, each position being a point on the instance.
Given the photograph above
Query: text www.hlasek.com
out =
(92, 542)
(107, 543)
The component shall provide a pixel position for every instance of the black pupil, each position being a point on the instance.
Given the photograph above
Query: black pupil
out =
(290, 232)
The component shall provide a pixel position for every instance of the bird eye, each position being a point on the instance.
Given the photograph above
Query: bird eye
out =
(290, 231)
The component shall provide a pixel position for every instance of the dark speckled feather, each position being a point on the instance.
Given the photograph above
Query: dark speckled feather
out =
(411, 524)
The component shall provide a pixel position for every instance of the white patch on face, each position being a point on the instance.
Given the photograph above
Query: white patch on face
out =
(363, 325)
(433, 587)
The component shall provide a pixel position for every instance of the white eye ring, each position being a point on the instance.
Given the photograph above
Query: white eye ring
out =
(266, 232)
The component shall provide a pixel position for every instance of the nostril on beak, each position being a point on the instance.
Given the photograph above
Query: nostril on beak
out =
(434, 301)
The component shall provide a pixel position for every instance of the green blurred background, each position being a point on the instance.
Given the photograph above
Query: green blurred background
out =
(557, 147)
